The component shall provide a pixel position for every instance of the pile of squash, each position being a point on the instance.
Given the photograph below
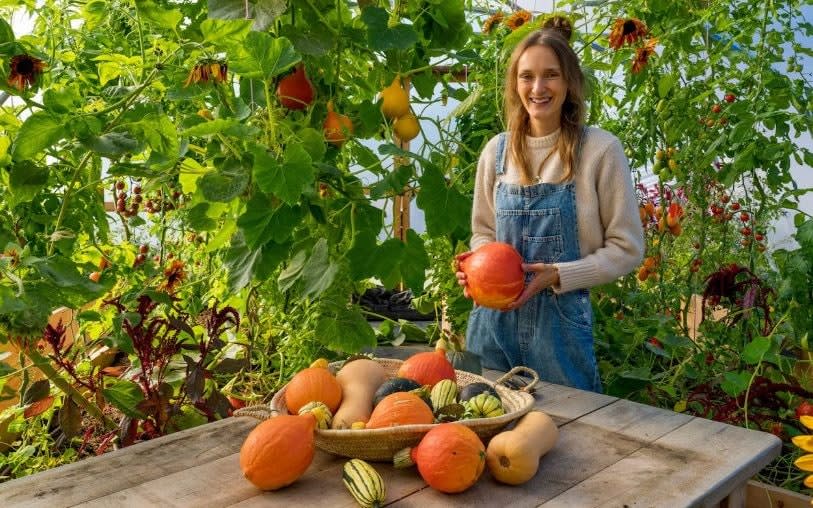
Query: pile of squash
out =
(450, 457)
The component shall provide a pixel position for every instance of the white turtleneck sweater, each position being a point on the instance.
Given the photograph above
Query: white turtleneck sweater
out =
(611, 238)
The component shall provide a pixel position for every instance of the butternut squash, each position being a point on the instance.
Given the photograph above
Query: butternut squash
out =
(359, 380)
(513, 455)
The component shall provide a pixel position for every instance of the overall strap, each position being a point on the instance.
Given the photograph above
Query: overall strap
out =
(501, 141)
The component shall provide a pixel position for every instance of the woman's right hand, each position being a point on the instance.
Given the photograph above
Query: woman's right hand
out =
(461, 276)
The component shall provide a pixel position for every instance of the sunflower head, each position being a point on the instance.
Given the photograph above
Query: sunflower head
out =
(208, 70)
(24, 71)
(492, 21)
(627, 31)
(642, 55)
(174, 274)
(518, 19)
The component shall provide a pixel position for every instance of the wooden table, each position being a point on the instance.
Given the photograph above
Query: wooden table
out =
(611, 453)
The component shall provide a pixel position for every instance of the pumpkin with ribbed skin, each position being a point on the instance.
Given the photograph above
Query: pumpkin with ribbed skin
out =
(278, 451)
(400, 408)
(313, 384)
(427, 368)
(494, 275)
(450, 458)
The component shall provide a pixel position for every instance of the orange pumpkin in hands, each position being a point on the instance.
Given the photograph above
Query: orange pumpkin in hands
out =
(494, 275)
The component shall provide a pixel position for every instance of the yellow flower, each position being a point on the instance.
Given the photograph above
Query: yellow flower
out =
(492, 21)
(627, 31)
(805, 462)
(518, 19)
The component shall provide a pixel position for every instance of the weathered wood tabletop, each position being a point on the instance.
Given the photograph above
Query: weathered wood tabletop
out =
(611, 453)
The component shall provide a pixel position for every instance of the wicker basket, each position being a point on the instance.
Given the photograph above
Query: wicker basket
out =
(381, 444)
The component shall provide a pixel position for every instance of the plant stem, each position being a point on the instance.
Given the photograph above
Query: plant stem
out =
(45, 367)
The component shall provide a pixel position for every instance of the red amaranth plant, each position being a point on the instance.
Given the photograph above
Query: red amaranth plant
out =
(738, 286)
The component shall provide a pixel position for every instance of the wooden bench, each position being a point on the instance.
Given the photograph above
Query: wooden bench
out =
(611, 453)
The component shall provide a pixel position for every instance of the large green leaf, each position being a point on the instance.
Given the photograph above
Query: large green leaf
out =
(39, 131)
(225, 32)
(112, 143)
(126, 396)
(380, 37)
(319, 271)
(165, 18)
(241, 262)
(224, 184)
(262, 223)
(158, 131)
(445, 208)
(6, 33)
(262, 12)
(755, 351)
(25, 180)
(734, 383)
(263, 56)
(344, 329)
(287, 180)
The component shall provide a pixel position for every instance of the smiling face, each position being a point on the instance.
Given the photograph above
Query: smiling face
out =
(542, 88)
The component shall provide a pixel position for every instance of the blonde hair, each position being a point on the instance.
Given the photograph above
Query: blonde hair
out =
(555, 34)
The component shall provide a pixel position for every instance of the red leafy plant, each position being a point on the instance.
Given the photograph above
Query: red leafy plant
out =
(161, 337)
(739, 288)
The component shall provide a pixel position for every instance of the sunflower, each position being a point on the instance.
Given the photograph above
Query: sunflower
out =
(492, 21)
(25, 69)
(627, 31)
(207, 70)
(642, 54)
(518, 19)
(805, 462)
(174, 274)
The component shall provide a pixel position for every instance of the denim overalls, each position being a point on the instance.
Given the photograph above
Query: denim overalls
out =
(552, 333)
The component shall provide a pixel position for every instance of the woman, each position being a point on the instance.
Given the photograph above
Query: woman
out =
(562, 195)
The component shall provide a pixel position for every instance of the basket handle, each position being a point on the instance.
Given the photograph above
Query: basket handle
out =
(260, 411)
(528, 388)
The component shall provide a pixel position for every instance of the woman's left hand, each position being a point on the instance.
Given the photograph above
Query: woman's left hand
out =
(546, 276)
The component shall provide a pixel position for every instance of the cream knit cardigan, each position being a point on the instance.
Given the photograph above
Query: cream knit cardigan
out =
(610, 234)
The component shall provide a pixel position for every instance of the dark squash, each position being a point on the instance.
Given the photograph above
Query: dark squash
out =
(396, 384)
(472, 390)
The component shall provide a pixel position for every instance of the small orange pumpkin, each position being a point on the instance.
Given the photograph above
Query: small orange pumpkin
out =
(337, 127)
(427, 368)
(278, 451)
(313, 384)
(400, 408)
(450, 457)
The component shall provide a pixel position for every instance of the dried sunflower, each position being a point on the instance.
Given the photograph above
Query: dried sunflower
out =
(642, 54)
(208, 70)
(518, 19)
(627, 31)
(24, 71)
(174, 275)
(492, 21)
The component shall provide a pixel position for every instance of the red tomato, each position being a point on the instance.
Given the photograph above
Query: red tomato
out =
(804, 409)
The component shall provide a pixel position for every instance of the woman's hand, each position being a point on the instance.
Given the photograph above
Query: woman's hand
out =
(546, 276)
(461, 276)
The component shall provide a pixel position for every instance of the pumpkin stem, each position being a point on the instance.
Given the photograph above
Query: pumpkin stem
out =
(403, 458)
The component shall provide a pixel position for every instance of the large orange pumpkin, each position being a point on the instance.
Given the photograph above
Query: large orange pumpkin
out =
(400, 408)
(494, 275)
(450, 458)
(313, 384)
(278, 451)
(427, 368)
